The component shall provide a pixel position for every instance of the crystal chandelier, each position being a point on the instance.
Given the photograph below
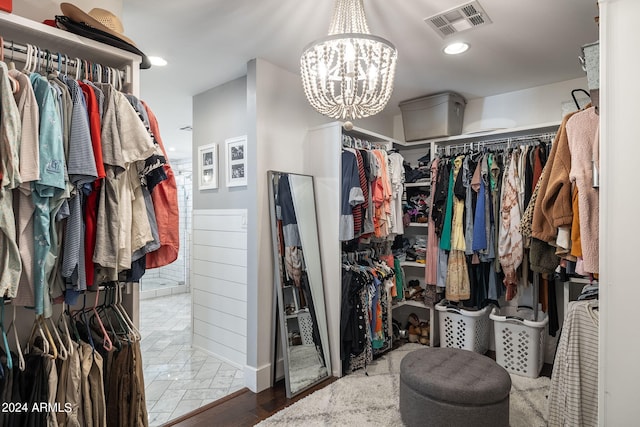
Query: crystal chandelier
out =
(348, 74)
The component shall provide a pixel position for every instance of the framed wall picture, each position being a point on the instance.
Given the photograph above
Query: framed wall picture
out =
(236, 161)
(208, 166)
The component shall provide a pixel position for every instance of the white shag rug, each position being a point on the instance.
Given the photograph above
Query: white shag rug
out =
(372, 400)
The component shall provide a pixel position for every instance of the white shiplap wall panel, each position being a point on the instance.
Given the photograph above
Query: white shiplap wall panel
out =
(219, 287)
(224, 220)
(218, 270)
(223, 304)
(221, 255)
(223, 344)
(227, 322)
(219, 281)
(227, 239)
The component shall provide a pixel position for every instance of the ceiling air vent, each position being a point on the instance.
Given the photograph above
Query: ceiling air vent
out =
(460, 18)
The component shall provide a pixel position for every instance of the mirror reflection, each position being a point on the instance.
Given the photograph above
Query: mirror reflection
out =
(298, 281)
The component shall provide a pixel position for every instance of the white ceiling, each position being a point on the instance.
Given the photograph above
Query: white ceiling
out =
(209, 42)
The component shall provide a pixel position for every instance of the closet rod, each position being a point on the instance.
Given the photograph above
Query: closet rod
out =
(354, 142)
(42, 54)
(519, 140)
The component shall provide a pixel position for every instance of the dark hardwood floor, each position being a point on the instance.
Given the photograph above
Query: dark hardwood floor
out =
(245, 408)
(242, 408)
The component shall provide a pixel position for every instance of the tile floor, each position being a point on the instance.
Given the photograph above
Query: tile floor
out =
(160, 287)
(178, 378)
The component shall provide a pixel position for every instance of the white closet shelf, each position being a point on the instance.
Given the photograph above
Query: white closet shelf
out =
(480, 136)
(358, 132)
(26, 31)
(418, 224)
(410, 303)
(412, 264)
(417, 184)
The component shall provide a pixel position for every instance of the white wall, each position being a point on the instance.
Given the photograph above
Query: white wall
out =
(218, 114)
(219, 283)
(619, 207)
(39, 10)
(542, 104)
(277, 106)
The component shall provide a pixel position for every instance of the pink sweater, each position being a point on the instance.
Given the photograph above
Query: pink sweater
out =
(582, 131)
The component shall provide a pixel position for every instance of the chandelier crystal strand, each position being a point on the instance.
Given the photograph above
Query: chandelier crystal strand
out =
(348, 74)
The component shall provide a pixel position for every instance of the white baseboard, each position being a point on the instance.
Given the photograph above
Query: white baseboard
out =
(257, 379)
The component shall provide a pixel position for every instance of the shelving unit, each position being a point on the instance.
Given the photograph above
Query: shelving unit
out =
(412, 264)
(412, 151)
(410, 303)
(568, 285)
(321, 153)
(417, 184)
(21, 31)
(480, 136)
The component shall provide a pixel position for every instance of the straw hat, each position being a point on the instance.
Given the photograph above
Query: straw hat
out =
(97, 18)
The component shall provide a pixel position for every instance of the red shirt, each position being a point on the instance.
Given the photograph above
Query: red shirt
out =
(165, 205)
(91, 203)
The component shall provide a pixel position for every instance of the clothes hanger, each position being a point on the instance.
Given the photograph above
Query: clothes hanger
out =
(107, 344)
(39, 60)
(575, 100)
(35, 62)
(78, 68)
(27, 60)
(69, 317)
(65, 329)
(103, 312)
(5, 341)
(11, 65)
(52, 345)
(35, 330)
(134, 330)
(21, 362)
(63, 353)
(109, 310)
(15, 84)
(85, 320)
(125, 328)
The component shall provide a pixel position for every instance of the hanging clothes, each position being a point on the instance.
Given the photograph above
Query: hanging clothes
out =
(582, 130)
(382, 195)
(396, 174)
(573, 394)
(457, 282)
(365, 322)
(47, 193)
(10, 135)
(29, 172)
(431, 260)
(351, 194)
(510, 239)
(165, 203)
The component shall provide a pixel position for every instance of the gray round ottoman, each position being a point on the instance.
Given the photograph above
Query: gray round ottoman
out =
(452, 387)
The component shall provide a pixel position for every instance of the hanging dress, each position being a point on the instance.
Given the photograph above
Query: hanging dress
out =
(457, 283)
(431, 270)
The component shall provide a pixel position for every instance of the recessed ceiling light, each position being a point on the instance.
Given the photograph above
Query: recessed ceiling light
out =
(158, 61)
(172, 149)
(456, 48)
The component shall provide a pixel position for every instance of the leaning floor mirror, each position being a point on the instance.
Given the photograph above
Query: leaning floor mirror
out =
(298, 281)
